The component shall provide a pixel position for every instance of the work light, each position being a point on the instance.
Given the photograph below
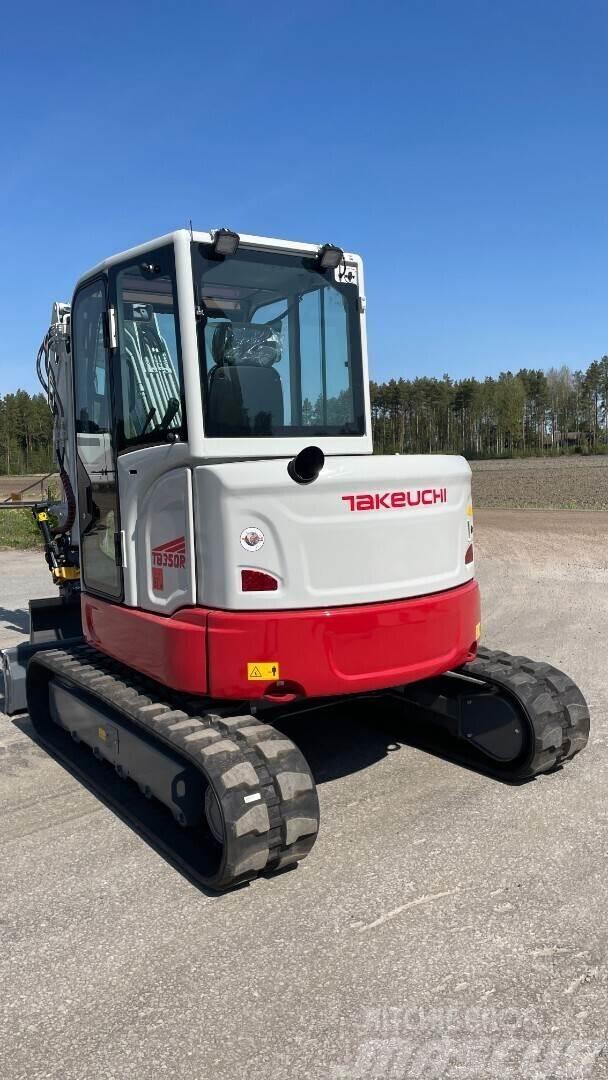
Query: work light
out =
(330, 256)
(225, 242)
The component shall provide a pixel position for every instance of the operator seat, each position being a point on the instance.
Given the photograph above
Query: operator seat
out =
(245, 394)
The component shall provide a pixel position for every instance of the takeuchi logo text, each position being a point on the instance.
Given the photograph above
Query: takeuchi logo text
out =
(395, 500)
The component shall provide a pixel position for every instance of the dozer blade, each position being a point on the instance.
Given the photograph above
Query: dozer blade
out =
(52, 619)
(514, 716)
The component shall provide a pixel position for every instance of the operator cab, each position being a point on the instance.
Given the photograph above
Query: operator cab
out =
(256, 350)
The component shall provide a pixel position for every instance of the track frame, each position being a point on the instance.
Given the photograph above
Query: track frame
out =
(264, 789)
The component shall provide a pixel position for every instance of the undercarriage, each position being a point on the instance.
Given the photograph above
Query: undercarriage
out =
(238, 787)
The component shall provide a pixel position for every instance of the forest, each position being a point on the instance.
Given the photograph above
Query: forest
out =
(26, 434)
(528, 413)
(524, 414)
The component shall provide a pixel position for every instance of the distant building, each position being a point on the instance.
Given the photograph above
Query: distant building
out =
(567, 438)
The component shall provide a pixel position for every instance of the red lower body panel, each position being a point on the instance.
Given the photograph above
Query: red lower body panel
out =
(319, 652)
(170, 649)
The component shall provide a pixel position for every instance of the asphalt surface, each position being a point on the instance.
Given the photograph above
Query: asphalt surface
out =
(445, 924)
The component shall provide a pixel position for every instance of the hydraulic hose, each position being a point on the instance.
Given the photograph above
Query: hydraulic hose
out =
(70, 498)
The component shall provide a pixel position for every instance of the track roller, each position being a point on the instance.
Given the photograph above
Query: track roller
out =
(243, 789)
(517, 717)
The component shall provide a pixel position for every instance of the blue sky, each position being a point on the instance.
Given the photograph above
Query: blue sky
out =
(461, 147)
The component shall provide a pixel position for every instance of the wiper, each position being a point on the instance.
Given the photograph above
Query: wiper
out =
(149, 418)
(173, 407)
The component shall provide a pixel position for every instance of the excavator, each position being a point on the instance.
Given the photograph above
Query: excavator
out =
(228, 551)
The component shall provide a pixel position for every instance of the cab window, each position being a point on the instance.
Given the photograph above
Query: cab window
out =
(151, 394)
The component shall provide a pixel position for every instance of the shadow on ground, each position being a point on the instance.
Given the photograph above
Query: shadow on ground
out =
(15, 619)
(337, 740)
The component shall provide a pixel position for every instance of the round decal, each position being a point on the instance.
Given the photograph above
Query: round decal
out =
(252, 539)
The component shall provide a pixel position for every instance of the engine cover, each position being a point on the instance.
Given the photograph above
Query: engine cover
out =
(368, 529)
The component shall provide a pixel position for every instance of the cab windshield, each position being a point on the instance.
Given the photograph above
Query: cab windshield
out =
(279, 345)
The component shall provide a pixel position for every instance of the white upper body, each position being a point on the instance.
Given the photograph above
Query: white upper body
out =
(198, 378)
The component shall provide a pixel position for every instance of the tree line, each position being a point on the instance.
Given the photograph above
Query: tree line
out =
(26, 434)
(531, 412)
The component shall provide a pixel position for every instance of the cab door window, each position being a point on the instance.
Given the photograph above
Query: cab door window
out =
(97, 494)
(150, 385)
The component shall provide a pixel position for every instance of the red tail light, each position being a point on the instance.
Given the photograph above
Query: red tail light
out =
(469, 555)
(256, 581)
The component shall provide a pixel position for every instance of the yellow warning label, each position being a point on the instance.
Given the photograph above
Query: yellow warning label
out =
(264, 672)
(478, 631)
(102, 733)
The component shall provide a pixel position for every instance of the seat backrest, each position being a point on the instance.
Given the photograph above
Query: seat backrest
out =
(246, 343)
(244, 399)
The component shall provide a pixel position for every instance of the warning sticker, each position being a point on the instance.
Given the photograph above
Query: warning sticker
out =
(478, 631)
(263, 672)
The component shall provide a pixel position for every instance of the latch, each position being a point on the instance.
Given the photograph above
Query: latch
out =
(112, 332)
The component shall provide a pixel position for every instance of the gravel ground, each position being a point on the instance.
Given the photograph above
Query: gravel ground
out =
(567, 483)
(445, 925)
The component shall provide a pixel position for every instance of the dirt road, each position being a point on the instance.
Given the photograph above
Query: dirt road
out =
(443, 922)
(550, 541)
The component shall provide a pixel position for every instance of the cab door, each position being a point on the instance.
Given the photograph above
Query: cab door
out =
(151, 433)
(98, 504)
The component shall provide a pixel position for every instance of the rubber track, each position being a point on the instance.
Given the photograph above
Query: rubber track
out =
(556, 710)
(240, 755)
